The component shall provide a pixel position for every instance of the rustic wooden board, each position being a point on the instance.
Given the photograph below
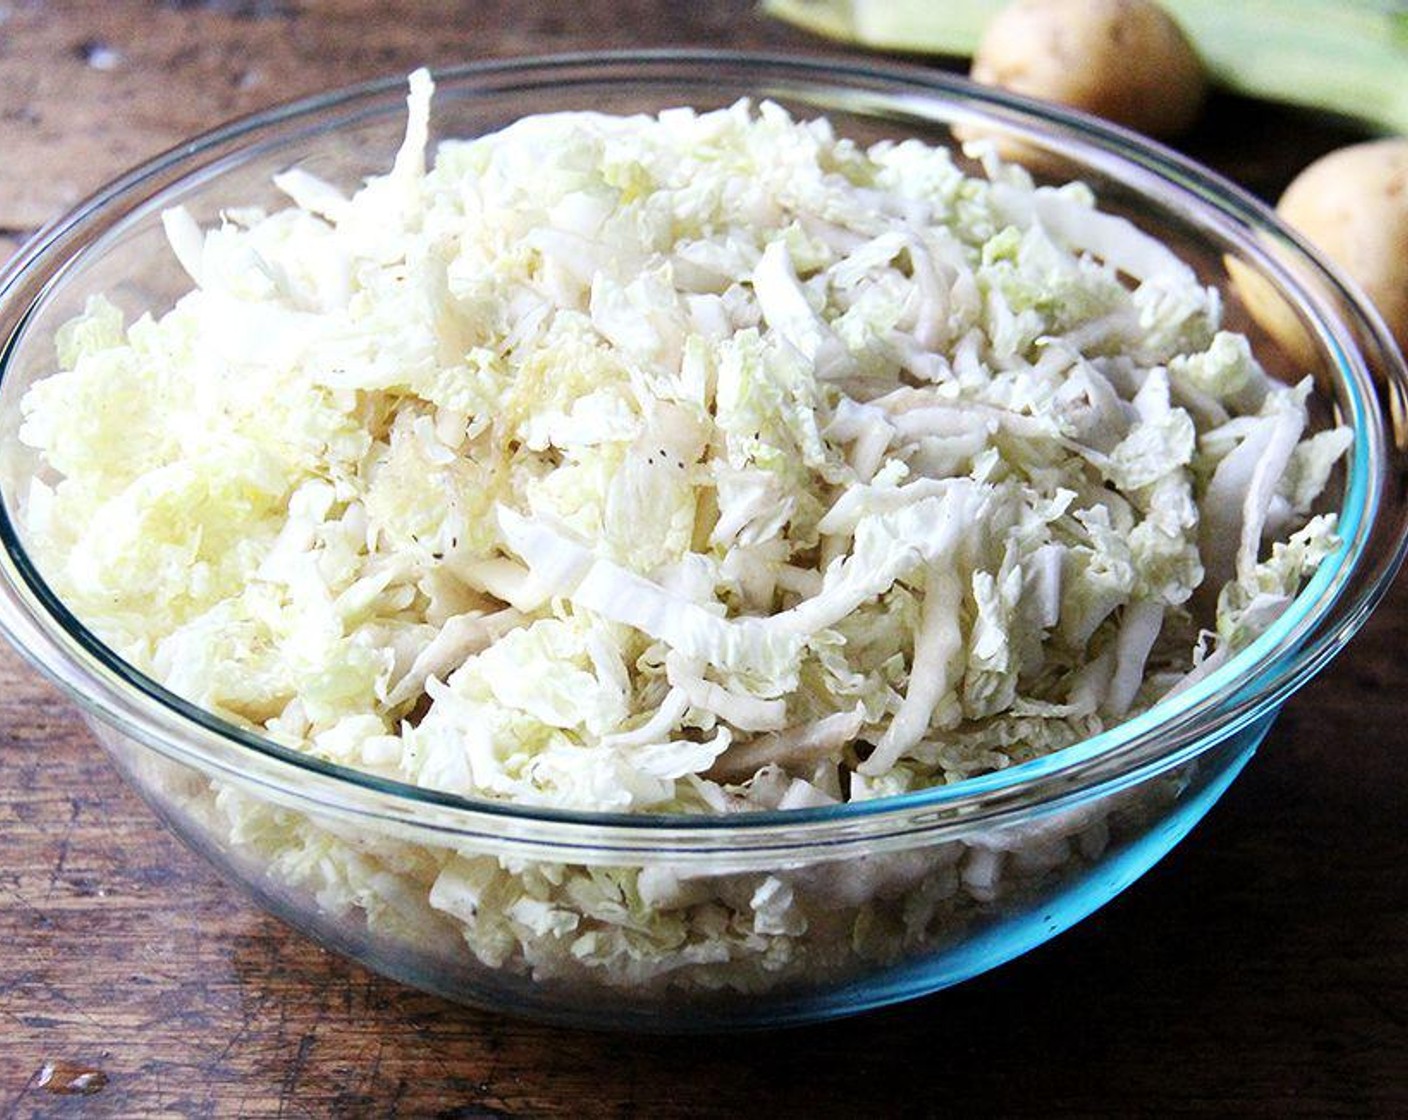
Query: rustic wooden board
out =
(1263, 968)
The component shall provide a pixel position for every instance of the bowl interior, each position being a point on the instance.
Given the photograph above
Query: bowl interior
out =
(116, 245)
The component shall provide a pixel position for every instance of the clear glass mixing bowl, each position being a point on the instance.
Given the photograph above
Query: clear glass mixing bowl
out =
(892, 898)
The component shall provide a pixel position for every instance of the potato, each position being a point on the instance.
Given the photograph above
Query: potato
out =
(1277, 317)
(1125, 60)
(1352, 205)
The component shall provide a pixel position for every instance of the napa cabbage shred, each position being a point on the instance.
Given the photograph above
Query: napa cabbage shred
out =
(696, 463)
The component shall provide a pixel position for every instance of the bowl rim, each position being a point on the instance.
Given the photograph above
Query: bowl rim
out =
(1333, 603)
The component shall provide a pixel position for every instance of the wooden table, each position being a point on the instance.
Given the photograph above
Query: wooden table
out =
(1262, 968)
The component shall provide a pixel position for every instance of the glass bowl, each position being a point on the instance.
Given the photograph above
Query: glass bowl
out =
(889, 899)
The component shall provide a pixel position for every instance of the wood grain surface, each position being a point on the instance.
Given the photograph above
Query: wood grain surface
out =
(1261, 969)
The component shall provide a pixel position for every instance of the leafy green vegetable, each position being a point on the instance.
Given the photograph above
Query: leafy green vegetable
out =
(698, 463)
(1347, 56)
(709, 437)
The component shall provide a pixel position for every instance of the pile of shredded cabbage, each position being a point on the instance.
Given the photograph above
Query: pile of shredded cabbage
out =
(696, 463)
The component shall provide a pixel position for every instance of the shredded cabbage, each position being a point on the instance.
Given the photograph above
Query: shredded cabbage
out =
(697, 463)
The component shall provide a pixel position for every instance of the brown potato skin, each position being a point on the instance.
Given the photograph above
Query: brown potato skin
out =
(1124, 60)
(1352, 205)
